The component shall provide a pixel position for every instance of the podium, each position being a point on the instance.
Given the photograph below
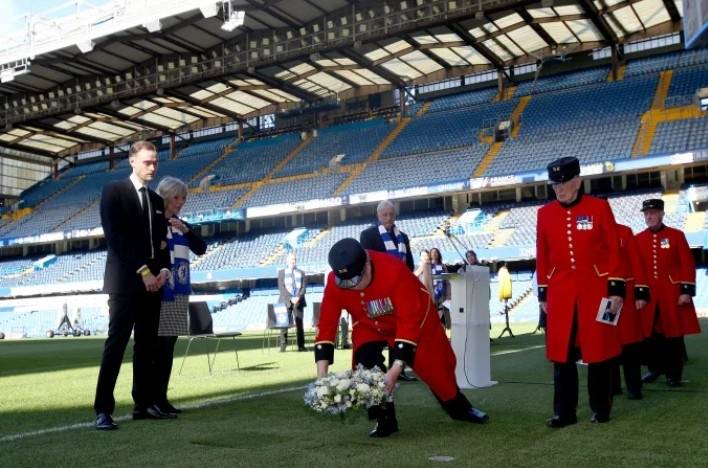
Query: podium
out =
(469, 318)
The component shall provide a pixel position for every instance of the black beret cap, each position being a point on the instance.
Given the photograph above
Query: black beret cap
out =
(563, 169)
(347, 258)
(653, 204)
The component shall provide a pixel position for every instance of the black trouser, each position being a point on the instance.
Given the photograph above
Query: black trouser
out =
(666, 356)
(541, 320)
(565, 388)
(299, 330)
(565, 383)
(165, 359)
(370, 355)
(138, 313)
(630, 360)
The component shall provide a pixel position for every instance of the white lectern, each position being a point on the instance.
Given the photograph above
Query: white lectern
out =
(469, 318)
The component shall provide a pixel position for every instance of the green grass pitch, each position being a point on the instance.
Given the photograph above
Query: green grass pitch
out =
(255, 416)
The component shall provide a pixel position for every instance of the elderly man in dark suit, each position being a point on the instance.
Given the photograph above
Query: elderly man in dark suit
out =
(386, 237)
(137, 266)
(292, 284)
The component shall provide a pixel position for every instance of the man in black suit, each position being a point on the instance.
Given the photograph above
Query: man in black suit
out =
(386, 237)
(137, 266)
(292, 283)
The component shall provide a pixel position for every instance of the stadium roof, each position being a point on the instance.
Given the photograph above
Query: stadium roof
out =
(138, 68)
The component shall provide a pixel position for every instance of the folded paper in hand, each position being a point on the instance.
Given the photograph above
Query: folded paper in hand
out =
(605, 315)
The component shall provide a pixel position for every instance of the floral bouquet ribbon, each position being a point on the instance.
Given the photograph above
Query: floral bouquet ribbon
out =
(337, 393)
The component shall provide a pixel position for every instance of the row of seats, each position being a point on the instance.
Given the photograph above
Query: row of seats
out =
(253, 159)
(355, 141)
(450, 165)
(440, 131)
(680, 136)
(670, 61)
(595, 123)
(423, 227)
(684, 83)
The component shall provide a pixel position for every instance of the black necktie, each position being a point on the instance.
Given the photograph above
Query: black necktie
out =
(144, 202)
(146, 219)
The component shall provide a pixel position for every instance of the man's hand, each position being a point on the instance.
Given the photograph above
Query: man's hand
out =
(543, 306)
(150, 282)
(322, 368)
(615, 303)
(640, 304)
(295, 300)
(684, 299)
(179, 225)
(392, 377)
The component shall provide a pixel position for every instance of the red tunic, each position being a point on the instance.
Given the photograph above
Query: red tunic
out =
(671, 271)
(577, 255)
(631, 319)
(412, 321)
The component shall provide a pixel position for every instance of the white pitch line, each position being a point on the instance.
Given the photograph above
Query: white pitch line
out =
(512, 351)
(199, 405)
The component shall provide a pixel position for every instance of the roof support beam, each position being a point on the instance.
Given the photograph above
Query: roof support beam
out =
(537, 29)
(599, 22)
(284, 85)
(205, 105)
(673, 11)
(384, 73)
(38, 152)
(71, 133)
(320, 68)
(472, 42)
(149, 125)
(16, 157)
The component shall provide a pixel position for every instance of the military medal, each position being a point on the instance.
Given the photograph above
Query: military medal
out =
(583, 223)
(379, 307)
(665, 244)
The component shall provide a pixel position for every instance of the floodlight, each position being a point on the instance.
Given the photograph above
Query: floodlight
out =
(7, 75)
(85, 46)
(153, 26)
(235, 19)
(210, 10)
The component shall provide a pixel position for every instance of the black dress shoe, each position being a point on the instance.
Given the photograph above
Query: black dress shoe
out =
(384, 428)
(152, 412)
(406, 378)
(104, 422)
(477, 416)
(634, 395)
(556, 422)
(598, 418)
(166, 407)
(302, 350)
(650, 377)
(673, 383)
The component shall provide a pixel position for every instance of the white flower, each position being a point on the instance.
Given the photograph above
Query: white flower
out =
(322, 391)
(337, 398)
(343, 385)
(363, 388)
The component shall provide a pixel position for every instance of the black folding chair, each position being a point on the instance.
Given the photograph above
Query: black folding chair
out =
(274, 324)
(201, 327)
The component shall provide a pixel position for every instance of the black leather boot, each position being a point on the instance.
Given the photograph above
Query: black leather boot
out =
(461, 409)
(386, 422)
